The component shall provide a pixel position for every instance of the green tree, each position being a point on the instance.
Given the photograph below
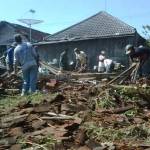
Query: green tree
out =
(146, 32)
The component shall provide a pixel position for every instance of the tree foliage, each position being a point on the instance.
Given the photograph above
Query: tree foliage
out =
(146, 32)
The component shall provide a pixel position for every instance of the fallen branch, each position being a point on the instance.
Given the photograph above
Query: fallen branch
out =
(57, 118)
(117, 110)
(15, 118)
(58, 115)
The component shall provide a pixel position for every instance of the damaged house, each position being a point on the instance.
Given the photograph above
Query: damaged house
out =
(8, 30)
(99, 32)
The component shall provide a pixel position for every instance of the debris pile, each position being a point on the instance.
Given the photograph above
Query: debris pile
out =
(79, 115)
(10, 85)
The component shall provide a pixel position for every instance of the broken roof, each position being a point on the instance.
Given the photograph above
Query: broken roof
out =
(101, 25)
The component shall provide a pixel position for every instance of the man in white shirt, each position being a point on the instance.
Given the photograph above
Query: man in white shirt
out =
(109, 65)
(81, 60)
(101, 66)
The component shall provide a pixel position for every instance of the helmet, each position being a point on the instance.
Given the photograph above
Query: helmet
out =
(103, 52)
(128, 48)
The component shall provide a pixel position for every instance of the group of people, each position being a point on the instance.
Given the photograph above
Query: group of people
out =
(105, 64)
(139, 54)
(80, 64)
(24, 55)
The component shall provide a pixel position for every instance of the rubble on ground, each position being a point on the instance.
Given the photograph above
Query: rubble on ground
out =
(77, 115)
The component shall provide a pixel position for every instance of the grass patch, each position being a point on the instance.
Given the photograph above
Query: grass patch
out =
(46, 142)
(105, 134)
(10, 102)
(131, 113)
(105, 103)
(105, 100)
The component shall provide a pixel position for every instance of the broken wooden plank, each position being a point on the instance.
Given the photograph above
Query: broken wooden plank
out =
(12, 91)
(123, 73)
(8, 122)
(57, 118)
(94, 75)
(117, 110)
(15, 118)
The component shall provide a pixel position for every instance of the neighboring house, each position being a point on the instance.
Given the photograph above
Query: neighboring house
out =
(99, 32)
(8, 30)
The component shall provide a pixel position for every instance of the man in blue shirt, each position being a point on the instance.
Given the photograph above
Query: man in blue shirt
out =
(10, 57)
(26, 56)
(141, 53)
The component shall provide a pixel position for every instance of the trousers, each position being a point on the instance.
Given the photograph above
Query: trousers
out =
(29, 79)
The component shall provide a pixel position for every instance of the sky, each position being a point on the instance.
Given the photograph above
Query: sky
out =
(60, 14)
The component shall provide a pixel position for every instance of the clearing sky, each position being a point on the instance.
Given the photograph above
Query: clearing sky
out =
(59, 14)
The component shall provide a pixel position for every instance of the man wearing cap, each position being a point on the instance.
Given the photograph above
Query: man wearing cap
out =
(26, 56)
(81, 60)
(140, 53)
(10, 57)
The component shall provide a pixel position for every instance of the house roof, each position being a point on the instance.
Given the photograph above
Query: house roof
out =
(101, 25)
(8, 30)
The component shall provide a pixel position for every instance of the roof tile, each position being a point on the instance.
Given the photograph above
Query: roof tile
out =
(100, 25)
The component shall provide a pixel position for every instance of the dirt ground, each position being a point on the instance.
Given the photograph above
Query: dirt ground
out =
(75, 115)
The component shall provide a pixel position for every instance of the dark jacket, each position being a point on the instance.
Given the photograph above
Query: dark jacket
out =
(141, 53)
(64, 61)
(10, 56)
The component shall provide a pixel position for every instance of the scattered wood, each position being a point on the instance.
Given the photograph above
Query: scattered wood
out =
(16, 147)
(41, 109)
(57, 118)
(98, 76)
(128, 71)
(15, 119)
(38, 124)
(63, 115)
(117, 110)
(81, 137)
(17, 132)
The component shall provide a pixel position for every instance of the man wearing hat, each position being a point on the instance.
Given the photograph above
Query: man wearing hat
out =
(140, 53)
(10, 57)
(81, 60)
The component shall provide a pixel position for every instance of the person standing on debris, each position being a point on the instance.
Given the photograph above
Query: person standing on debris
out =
(26, 56)
(140, 53)
(109, 65)
(63, 63)
(101, 66)
(81, 60)
(10, 57)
